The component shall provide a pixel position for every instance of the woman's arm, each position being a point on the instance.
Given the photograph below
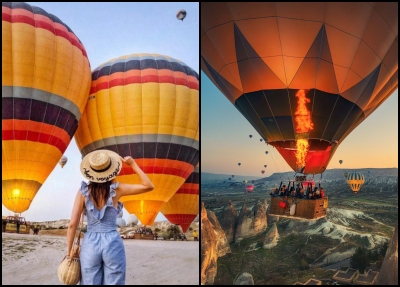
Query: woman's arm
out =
(132, 189)
(74, 221)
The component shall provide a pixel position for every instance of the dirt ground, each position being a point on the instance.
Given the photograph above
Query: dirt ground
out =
(34, 259)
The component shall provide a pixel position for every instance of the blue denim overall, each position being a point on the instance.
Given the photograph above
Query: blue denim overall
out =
(103, 260)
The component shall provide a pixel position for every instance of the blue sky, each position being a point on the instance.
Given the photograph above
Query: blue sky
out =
(109, 30)
(225, 139)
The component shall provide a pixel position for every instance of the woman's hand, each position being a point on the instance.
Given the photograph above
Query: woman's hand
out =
(128, 160)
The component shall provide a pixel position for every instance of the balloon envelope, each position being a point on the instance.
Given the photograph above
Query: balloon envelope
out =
(302, 71)
(145, 106)
(132, 219)
(63, 161)
(355, 180)
(249, 188)
(340, 161)
(183, 207)
(121, 221)
(45, 84)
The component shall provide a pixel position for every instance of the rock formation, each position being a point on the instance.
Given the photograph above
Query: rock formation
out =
(251, 221)
(213, 245)
(228, 218)
(389, 272)
(271, 238)
(244, 279)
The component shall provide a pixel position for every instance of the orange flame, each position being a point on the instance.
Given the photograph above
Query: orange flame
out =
(303, 125)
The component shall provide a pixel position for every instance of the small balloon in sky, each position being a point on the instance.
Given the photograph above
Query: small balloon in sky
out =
(181, 14)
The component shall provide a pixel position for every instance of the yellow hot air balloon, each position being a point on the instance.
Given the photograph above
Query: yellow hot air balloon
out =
(355, 180)
(183, 207)
(45, 85)
(145, 106)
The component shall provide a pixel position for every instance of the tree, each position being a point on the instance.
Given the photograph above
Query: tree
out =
(359, 260)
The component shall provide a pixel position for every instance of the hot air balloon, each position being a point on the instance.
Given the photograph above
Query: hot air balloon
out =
(45, 85)
(249, 188)
(250, 136)
(266, 152)
(340, 161)
(263, 171)
(346, 174)
(233, 175)
(304, 75)
(121, 222)
(181, 15)
(229, 178)
(245, 181)
(265, 165)
(261, 140)
(355, 180)
(239, 164)
(183, 207)
(145, 106)
(63, 161)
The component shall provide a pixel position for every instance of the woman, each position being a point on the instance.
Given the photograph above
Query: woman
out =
(102, 253)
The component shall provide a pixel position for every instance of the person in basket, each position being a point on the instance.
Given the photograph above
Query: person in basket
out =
(102, 253)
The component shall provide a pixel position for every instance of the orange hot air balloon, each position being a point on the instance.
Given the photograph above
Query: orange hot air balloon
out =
(305, 75)
(45, 84)
(183, 207)
(145, 106)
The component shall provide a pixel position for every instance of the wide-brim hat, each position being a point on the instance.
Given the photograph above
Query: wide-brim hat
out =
(101, 165)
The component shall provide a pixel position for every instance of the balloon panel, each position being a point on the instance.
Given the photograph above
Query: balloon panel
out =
(145, 106)
(344, 67)
(183, 207)
(45, 84)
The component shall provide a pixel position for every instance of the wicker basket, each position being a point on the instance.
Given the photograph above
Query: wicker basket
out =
(69, 271)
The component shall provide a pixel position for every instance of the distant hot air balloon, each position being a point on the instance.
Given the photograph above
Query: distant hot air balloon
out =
(355, 180)
(261, 140)
(158, 97)
(252, 181)
(263, 171)
(63, 161)
(121, 222)
(183, 207)
(181, 15)
(250, 136)
(45, 85)
(265, 165)
(249, 188)
(233, 175)
(340, 161)
(346, 174)
(229, 178)
(132, 219)
(304, 74)
(266, 152)
(239, 164)
(245, 181)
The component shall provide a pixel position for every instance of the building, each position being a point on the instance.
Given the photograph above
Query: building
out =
(368, 278)
(345, 276)
(310, 281)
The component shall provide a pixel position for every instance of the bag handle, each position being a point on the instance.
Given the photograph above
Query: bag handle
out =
(76, 245)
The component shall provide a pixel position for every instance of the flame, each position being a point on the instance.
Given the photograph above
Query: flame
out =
(303, 125)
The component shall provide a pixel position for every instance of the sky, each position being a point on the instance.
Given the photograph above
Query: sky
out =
(225, 139)
(110, 30)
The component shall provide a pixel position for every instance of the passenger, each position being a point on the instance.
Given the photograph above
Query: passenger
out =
(292, 191)
(317, 193)
(301, 193)
(322, 193)
(282, 191)
(275, 192)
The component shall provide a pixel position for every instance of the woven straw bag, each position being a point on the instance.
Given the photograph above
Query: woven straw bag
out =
(69, 271)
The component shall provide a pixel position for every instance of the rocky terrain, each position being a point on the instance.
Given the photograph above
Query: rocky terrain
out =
(288, 250)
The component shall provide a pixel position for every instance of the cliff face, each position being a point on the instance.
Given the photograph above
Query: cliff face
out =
(213, 245)
(228, 218)
(271, 238)
(251, 221)
(389, 272)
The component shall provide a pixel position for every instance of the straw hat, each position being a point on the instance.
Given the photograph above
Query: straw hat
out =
(101, 165)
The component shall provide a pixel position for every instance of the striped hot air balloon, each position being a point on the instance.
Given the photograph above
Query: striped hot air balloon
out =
(183, 207)
(145, 106)
(45, 86)
(355, 180)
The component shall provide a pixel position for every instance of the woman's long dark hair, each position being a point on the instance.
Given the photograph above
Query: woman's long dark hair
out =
(100, 190)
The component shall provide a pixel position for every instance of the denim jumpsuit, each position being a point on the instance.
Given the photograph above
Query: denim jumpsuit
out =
(102, 255)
